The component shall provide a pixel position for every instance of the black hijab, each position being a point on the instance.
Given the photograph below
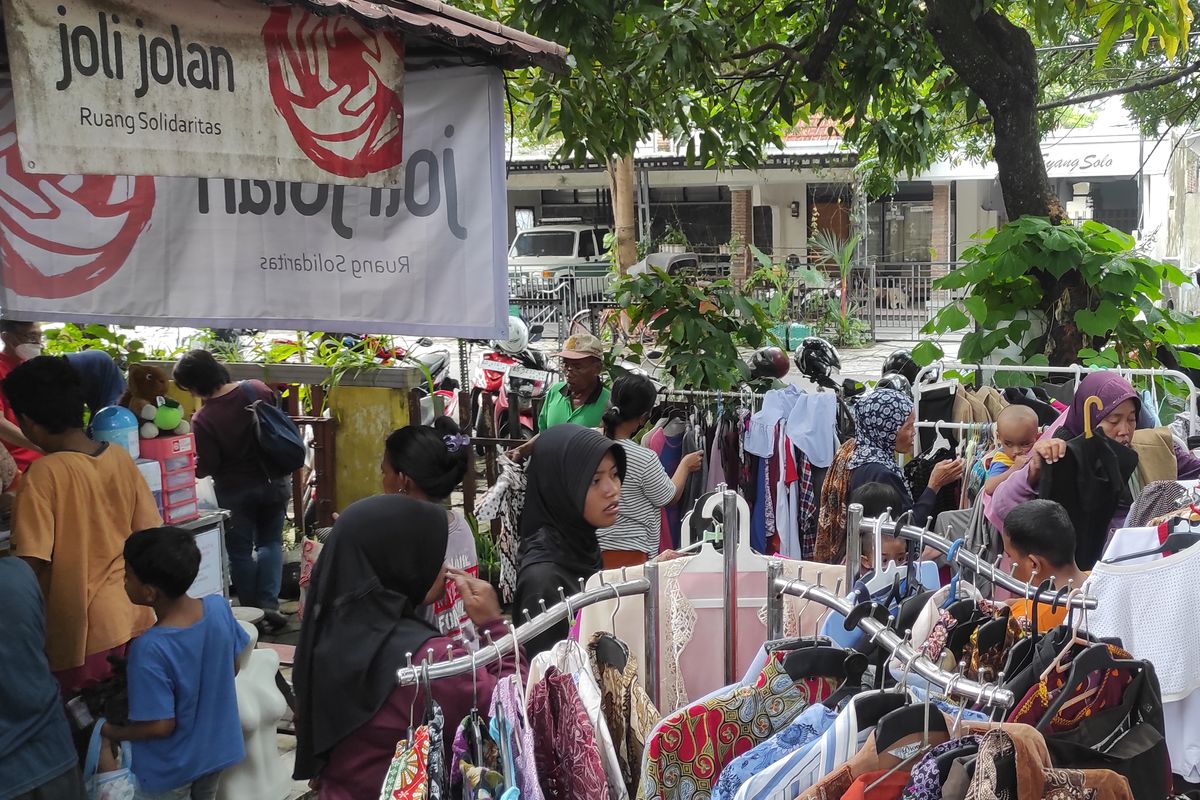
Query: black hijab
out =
(561, 467)
(381, 560)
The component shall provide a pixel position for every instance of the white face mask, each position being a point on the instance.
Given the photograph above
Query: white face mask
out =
(27, 351)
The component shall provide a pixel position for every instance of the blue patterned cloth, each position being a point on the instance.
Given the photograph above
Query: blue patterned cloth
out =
(801, 733)
(878, 418)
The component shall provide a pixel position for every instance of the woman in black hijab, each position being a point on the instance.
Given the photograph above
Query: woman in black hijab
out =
(384, 559)
(574, 487)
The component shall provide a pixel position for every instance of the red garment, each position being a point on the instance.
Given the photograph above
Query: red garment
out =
(94, 669)
(889, 789)
(1104, 690)
(358, 764)
(22, 456)
(564, 742)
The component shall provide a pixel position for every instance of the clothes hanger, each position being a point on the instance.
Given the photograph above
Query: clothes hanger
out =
(1174, 543)
(855, 666)
(883, 575)
(905, 722)
(939, 443)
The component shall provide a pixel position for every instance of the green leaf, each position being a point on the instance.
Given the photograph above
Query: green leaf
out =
(1100, 322)
(926, 352)
(977, 306)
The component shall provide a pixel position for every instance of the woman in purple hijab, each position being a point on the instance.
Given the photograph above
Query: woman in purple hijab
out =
(1117, 417)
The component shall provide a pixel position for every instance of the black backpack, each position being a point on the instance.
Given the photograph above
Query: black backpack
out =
(281, 448)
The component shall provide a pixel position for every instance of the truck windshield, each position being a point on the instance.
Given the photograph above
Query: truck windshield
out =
(539, 244)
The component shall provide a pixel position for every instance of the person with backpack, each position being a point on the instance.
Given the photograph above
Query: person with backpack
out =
(228, 430)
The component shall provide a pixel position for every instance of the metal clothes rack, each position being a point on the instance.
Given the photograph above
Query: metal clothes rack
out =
(951, 683)
(746, 395)
(857, 524)
(496, 650)
(1077, 371)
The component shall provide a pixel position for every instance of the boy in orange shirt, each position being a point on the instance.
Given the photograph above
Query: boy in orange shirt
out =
(1040, 540)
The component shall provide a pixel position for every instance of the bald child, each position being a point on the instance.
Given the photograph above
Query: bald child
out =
(1016, 432)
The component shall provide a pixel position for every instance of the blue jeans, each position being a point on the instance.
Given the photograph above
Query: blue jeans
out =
(254, 540)
(200, 789)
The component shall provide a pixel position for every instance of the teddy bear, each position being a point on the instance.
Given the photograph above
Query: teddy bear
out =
(145, 396)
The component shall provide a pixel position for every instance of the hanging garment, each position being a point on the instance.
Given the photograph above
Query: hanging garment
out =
(798, 735)
(812, 427)
(568, 658)
(1155, 448)
(507, 704)
(628, 711)
(924, 782)
(804, 767)
(1098, 692)
(473, 748)
(686, 753)
(937, 404)
(806, 508)
(670, 453)
(1156, 499)
(407, 777)
(1029, 398)
(439, 775)
(1090, 482)
(568, 760)
(1011, 765)
(830, 547)
(693, 488)
(1150, 606)
(504, 502)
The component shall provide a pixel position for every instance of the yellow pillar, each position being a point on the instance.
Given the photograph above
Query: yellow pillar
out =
(365, 416)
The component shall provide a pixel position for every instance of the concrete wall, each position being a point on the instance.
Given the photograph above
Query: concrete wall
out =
(791, 233)
(970, 218)
(365, 416)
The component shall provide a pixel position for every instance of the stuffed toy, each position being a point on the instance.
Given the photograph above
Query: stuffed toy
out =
(146, 397)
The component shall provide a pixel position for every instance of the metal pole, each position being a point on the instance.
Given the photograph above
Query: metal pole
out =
(650, 623)
(774, 601)
(950, 682)
(854, 516)
(493, 651)
(730, 530)
(968, 560)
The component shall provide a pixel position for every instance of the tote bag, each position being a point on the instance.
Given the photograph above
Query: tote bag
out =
(118, 784)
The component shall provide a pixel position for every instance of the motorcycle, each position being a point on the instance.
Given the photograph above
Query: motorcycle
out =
(510, 368)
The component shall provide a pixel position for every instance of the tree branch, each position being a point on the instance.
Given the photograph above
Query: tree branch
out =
(1080, 99)
(787, 50)
(823, 49)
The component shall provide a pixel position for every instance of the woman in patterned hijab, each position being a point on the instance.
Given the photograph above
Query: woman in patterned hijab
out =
(885, 422)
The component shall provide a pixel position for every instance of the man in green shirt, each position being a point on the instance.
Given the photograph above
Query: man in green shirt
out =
(582, 398)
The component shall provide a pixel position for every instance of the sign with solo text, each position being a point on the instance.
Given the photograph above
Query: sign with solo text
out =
(206, 88)
(424, 257)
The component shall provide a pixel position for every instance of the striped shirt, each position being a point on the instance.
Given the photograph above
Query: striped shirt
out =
(645, 490)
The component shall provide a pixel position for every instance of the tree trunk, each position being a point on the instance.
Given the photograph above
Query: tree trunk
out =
(620, 177)
(997, 60)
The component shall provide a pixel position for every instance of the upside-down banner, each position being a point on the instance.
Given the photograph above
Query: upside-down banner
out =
(206, 88)
(425, 258)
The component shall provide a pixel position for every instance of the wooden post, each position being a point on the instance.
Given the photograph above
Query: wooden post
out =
(464, 423)
(414, 406)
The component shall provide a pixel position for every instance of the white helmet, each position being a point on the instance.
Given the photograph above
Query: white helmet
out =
(518, 337)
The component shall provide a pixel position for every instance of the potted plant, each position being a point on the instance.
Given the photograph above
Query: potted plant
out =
(673, 241)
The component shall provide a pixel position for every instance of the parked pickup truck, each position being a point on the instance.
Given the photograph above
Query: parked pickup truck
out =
(559, 251)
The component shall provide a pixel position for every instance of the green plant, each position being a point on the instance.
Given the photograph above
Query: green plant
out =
(834, 248)
(781, 284)
(699, 328)
(673, 235)
(1122, 320)
(124, 348)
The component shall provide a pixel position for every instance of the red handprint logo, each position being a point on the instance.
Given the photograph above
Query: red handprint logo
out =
(64, 235)
(326, 69)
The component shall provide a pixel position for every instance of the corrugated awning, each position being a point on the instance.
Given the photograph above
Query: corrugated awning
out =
(450, 27)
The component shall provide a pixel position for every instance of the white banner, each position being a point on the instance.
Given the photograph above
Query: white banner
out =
(224, 88)
(425, 258)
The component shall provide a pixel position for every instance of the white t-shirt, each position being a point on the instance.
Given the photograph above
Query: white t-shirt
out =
(646, 489)
(449, 614)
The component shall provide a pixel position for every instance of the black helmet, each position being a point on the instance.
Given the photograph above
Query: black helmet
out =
(901, 362)
(769, 362)
(894, 380)
(816, 359)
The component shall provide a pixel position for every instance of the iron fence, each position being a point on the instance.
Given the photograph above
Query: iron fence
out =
(902, 297)
(554, 301)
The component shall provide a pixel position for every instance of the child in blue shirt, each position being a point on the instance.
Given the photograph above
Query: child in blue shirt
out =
(183, 711)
